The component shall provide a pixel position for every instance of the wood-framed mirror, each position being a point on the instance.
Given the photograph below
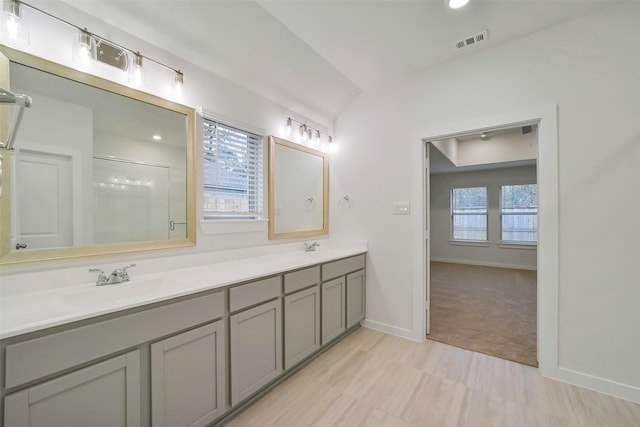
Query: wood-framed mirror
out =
(298, 190)
(97, 168)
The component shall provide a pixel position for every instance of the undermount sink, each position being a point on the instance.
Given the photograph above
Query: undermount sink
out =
(121, 292)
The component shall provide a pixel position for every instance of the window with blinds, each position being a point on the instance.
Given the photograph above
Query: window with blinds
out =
(469, 213)
(519, 213)
(232, 172)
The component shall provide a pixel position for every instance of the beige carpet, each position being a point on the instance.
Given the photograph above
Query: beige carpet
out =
(485, 309)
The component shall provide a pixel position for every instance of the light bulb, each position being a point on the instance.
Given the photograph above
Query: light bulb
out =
(456, 4)
(318, 138)
(303, 132)
(178, 83)
(84, 50)
(14, 27)
(289, 126)
(135, 73)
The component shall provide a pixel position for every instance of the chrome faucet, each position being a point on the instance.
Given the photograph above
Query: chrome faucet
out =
(311, 247)
(118, 275)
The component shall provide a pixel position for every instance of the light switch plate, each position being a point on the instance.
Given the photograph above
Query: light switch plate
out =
(401, 208)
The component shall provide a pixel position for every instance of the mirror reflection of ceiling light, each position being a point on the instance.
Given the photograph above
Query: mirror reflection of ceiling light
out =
(156, 137)
(456, 4)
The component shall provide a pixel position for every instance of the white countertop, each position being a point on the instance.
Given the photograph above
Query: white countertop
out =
(34, 311)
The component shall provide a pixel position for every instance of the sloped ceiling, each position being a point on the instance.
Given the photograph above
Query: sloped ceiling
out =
(315, 56)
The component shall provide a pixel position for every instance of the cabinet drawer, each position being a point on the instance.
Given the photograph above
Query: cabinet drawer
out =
(301, 279)
(342, 267)
(254, 293)
(33, 359)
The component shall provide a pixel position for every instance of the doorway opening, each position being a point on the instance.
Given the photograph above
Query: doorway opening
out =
(483, 222)
(546, 119)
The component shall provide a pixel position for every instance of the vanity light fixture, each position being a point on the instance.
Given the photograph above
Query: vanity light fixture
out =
(86, 46)
(456, 4)
(307, 133)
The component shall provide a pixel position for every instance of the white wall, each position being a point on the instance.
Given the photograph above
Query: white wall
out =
(492, 255)
(589, 67)
(203, 90)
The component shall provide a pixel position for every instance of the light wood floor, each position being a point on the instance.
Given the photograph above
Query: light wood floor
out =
(374, 379)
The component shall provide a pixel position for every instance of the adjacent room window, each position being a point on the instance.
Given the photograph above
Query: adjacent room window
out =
(469, 213)
(519, 213)
(232, 172)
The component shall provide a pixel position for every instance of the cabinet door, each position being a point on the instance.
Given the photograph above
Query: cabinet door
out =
(301, 325)
(355, 298)
(256, 348)
(188, 377)
(333, 309)
(105, 394)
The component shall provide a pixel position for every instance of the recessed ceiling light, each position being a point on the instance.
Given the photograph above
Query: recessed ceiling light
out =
(456, 4)
(157, 137)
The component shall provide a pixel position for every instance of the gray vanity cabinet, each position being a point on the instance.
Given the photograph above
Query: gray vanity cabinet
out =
(355, 298)
(301, 325)
(343, 296)
(301, 315)
(255, 337)
(103, 394)
(188, 377)
(333, 309)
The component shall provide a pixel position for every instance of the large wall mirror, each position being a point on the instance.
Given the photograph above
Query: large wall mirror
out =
(298, 190)
(98, 168)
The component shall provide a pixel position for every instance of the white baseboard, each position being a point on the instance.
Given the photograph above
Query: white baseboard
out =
(601, 385)
(391, 330)
(486, 264)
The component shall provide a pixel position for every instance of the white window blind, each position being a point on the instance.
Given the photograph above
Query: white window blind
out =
(469, 213)
(519, 213)
(232, 172)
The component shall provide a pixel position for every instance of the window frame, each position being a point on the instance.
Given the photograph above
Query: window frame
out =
(221, 222)
(516, 243)
(471, 242)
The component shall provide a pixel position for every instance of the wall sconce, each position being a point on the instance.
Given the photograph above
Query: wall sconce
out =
(14, 27)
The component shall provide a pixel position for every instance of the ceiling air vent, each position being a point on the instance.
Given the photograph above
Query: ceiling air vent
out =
(480, 37)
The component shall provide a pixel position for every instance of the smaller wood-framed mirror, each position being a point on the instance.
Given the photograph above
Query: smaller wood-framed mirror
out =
(298, 190)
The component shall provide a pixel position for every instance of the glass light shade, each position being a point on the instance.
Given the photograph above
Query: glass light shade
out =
(15, 29)
(178, 83)
(136, 71)
(289, 126)
(84, 51)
